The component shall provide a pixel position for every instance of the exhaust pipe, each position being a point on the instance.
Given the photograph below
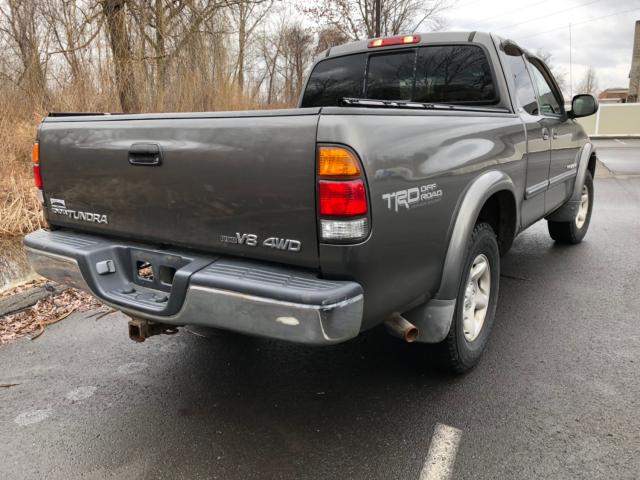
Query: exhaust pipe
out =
(140, 329)
(400, 327)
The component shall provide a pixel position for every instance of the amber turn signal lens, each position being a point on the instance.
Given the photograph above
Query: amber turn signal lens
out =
(337, 162)
(35, 153)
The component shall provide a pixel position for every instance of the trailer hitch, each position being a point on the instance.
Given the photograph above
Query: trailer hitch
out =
(141, 329)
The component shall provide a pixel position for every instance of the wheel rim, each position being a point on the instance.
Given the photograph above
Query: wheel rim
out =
(476, 297)
(583, 211)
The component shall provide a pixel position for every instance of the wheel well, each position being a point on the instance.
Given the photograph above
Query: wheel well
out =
(499, 211)
(592, 165)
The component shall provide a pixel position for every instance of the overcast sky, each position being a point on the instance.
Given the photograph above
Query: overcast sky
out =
(604, 43)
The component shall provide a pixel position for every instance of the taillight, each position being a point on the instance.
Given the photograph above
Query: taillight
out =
(343, 206)
(337, 161)
(342, 199)
(386, 42)
(35, 157)
(36, 176)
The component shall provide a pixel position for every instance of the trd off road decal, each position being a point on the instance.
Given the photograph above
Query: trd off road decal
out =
(413, 197)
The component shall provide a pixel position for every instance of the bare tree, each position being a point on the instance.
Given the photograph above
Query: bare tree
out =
(28, 41)
(74, 25)
(167, 26)
(589, 83)
(115, 16)
(330, 37)
(356, 18)
(298, 52)
(271, 45)
(247, 15)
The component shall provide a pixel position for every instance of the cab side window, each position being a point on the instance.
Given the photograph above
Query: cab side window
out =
(525, 93)
(549, 103)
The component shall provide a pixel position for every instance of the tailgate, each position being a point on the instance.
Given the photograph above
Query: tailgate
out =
(235, 183)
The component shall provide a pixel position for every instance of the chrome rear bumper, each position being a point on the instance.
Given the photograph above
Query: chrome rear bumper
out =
(234, 294)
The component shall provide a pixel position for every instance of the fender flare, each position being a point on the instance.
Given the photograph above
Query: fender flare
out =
(569, 209)
(434, 318)
(474, 199)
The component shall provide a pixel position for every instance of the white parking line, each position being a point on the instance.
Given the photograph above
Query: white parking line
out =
(442, 453)
(619, 141)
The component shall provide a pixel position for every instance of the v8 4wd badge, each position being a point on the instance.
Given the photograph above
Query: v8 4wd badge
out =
(251, 240)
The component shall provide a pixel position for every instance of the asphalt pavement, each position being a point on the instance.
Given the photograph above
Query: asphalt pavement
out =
(556, 396)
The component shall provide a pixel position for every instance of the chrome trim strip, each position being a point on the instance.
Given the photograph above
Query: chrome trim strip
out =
(563, 176)
(536, 189)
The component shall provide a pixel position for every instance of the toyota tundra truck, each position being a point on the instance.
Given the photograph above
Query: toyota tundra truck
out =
(388, 196)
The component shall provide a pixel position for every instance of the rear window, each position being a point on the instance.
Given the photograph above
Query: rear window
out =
(458, 74)
(390, 76)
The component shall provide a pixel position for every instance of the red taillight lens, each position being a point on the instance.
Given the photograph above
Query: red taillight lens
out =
(36, 176)
(343, 199)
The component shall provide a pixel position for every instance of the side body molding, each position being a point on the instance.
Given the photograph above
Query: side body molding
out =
(433, 318)
(569, 210)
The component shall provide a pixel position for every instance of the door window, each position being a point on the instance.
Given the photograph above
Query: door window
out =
(525, 94)
(549, 104)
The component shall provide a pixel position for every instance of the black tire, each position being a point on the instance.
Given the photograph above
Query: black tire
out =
(460, 354)
(568, 233)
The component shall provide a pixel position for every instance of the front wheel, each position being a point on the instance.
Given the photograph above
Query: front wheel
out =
(573, 231)
(476, 301)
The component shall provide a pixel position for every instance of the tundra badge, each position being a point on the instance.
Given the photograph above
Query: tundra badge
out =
(59, 207)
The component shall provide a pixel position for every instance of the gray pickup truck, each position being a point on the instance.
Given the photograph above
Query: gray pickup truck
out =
(388, 196)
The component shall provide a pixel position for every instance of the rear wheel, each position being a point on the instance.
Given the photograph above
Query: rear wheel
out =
(573, 231)
(476, 301)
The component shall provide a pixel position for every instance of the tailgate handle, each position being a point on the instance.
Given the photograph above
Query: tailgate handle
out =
(145, 154)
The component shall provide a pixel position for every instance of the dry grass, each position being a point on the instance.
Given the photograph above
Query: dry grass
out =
(19, 206)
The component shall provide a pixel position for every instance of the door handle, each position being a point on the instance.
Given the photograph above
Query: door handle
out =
(545, 134)
(148, 154)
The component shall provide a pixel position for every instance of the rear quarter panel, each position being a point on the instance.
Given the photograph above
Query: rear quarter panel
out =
(401, 263)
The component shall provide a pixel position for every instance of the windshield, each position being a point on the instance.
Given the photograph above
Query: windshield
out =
(457, 74)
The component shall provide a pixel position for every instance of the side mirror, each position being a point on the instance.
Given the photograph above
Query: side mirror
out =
(583, 105)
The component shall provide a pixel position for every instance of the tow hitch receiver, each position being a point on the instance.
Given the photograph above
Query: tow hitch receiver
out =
(140, 329)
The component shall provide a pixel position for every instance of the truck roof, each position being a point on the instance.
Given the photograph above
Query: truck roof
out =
(425, 39)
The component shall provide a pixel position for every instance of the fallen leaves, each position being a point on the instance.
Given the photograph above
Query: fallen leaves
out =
(23, 287)
(47, 311)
